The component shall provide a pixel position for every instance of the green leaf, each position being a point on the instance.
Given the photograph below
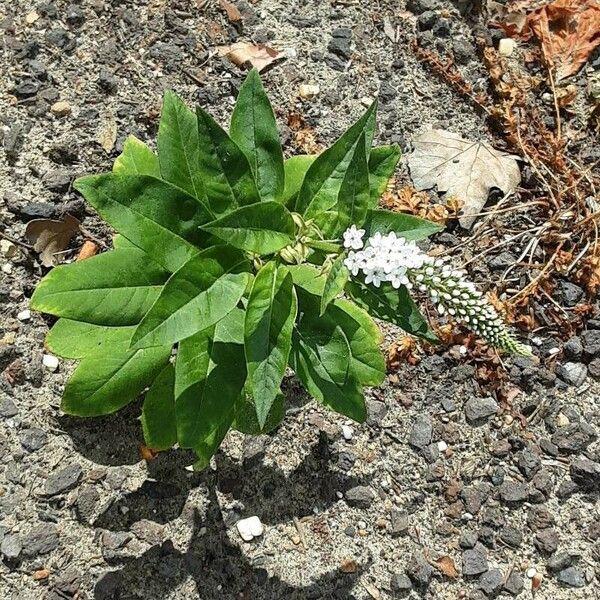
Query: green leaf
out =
(382, 164)
(178, 146)
(295, 169)
(324, 246)
(158, 411)
(353, 198)
(120, 242)
(364, 337)
(406, 226)
(136, 159)
(254, 129)
(270, 316)
(115, 288)
(209, 379)
(394, 306)
(334, 282)
(157, 217)
(308, 278)
(262, 228)
(320, 351)
(76, 339)
(200, 294)
(230, 329)
(104, 383)
(321, 185)
(246, 420)
(226, 172)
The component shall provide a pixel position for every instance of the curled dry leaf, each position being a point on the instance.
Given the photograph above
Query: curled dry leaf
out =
(233, 13)
(258, 56)
(50, 237)
(462, 169)
(88, 249)
(446, 565)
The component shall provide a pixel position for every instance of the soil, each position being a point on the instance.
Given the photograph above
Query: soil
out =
(507, 490)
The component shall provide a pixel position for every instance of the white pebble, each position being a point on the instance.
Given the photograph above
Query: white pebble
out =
(347, 432)
(442, 446)
(531, 572)
(50, 362)
(362, 525)
(250, 528)
(506, 46)
(24, 315)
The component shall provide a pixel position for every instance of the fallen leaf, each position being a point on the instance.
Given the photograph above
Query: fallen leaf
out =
(461, 168)
(107, 136)
(50, 237)
(88, 249)
(446, 565)
(147, 454)
(372, 591)
(258, 56)
(233, 13)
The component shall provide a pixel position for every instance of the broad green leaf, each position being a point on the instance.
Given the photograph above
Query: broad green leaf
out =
(209, 443)
(394, 306)
(104, 383)
(136, 159)
(270, 316)
(324, 246)
(406, 226)
(115, 288)
(230, 329)
(382, 164)
(334, 282)
(262, 228)
(246, 419)
(321, 185)
(353, 198)
(157, 217)
(364, 337)
(120, 242)
(295, 169)
(158, 411)
(178, 146)
(225, 170)
(209, 379)
(254, 129)
(319, 356)
(308, 278)
(200, 294)
(76, 339)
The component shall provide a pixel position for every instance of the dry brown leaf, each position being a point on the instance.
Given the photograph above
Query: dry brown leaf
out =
(147, 454)
(107, 136)
(50, 237)
(446, 565)
(233, 13)
(88, 249)
(258, 56)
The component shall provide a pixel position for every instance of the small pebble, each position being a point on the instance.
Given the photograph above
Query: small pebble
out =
(60, 108)
(506, 46)
(442, 446)
(308, 90)
(24, 315)
(50, 362)
(347, 432)
(531, 572)
(250, 528)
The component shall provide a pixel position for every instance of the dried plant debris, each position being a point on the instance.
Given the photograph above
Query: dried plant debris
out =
(258, 56)
(461, 168)
(50, 237)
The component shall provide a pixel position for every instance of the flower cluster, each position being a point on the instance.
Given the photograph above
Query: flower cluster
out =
(391, 259)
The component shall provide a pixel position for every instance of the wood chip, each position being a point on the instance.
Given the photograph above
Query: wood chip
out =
(88, 249)
(232, 11)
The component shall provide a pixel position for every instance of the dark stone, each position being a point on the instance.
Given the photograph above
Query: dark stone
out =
(441, 28)
(13, 141)
(58, 180)
(491, 583)
(573, 373)
(346, 460)
(418, 6)
(479, 410)
(473, 498)
(539, 517)
(63, 480)
(36, 210)
(400, 522)
(546, 541)
(569, 293)
(468, 538)
(548, 447)
(474, 562)
(75, 16)
(60, 38)
(543, 483)
(559, 562)
(341, 43)
(421, 433)
(511, 536)
(254, 449)
(513, 492)
(419, 570)
(401, 584)
(377, 411)
(26, 88)
(65, 586)
(107, 81)
(360, 496)
(573, 349)
(514, 583)
(43, 538)
(33, 439)
(8, 408)
(594, 368)
(586, 474)
(87, 500)
(108, 585)
(464, 53)
(529, 463)
(426, 20)
(502, 261)
(590, 341)
(11, 547)
(572, 438)
(566, 489)
(387, 92)
(572, 577)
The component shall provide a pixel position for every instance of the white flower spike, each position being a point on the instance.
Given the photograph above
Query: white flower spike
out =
(388, 258)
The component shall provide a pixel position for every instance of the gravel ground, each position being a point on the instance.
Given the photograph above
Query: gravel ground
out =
(441, 476)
